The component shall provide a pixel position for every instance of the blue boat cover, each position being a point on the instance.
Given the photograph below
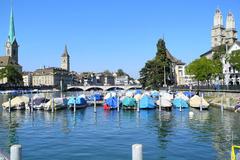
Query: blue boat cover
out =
(179, 102)
(98, 96)
(188, 94)
(129, 102)
(78, 101)
(138, 91)
(147, 102)
(155, 93)
(111, 102)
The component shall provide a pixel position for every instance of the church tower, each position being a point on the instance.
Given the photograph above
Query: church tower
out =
(65, 60)
(218, 30)
(11, 44)
(231, 33)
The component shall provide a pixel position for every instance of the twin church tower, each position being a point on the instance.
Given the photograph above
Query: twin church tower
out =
(11, 47)
(221, 35)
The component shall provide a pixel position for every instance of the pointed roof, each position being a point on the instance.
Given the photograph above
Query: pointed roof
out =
(65, 53)
(11, 34)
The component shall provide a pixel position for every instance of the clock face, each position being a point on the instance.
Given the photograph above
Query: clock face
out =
(8, 45)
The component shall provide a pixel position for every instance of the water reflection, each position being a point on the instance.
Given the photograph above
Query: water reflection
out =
(165, 135)
(165, 128)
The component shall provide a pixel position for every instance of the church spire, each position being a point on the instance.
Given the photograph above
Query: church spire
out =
(11, 34)
(230, 22)
(65, 60)
(65, 53)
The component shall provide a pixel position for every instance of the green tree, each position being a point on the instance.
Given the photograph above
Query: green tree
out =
(234, 59)
(203, 69)
(152, 74)
(120, 72)
(12, 75)
(218, 53)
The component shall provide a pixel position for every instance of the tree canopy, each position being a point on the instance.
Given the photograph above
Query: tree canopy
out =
(234, 59)
(120, 72)
(152, 74)
(12, 75)
(203, 69)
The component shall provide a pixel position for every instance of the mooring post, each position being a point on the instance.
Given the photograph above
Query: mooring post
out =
(180, 109)
(31, 105)
(95, 105)
(52, 104)
(10, 105)
(16, 152)
(118, 104)
(138, 105)
(137, 152)
(160, 103)
(201, 102)
(74, 105)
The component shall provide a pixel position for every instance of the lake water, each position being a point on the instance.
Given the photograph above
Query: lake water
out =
(108, 135)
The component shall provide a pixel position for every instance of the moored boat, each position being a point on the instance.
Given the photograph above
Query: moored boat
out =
(129, 103)
(19, 102)
(111, 103)
(147, 102)
(197, 102)
(78, 102)
(180, 103)
(56, 104)
(164, 103)
(38, 102)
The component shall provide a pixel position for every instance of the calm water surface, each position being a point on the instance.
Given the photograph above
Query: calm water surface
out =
(108, 135)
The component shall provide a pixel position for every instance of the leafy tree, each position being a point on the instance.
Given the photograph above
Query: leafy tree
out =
(218, 53)
(203, 69)
(120, 72)
(152, 74)
(107, 72)
(12, 75)
(234, 59)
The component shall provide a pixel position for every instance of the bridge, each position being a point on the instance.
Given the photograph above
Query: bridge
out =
(103, 88)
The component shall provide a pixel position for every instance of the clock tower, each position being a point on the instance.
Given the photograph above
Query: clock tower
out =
(11, 44)
(65, 60)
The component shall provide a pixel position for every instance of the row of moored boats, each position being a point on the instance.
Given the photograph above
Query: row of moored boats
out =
(130, 100)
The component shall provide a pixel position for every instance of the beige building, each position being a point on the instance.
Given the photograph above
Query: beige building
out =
(55, 77)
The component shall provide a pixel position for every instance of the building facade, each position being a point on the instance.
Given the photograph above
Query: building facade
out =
(55, 77)
(231, 75)
(122, 80)
(27, 78)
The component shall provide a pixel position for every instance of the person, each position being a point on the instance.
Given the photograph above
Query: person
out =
(237, 107)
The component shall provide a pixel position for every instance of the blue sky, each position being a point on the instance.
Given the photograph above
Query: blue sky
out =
(110, 34)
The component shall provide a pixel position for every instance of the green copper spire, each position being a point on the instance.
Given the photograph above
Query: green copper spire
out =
(11, 35)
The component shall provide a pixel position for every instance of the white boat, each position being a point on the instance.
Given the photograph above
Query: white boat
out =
(55, 104)
(38, 102)
(164, 103)
(197, 101)
(19, 102)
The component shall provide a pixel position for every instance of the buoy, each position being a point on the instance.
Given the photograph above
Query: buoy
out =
(191, 114)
